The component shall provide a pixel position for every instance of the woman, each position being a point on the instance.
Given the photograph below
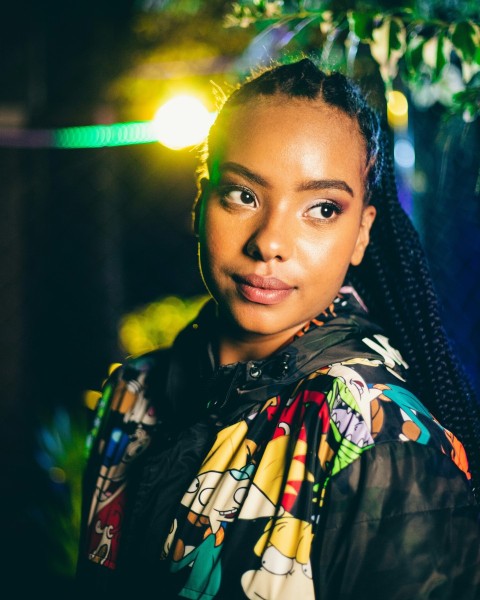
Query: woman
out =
(292, 442)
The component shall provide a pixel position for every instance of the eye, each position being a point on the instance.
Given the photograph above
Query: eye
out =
(194, 486)
(307, 570)
(275, 562)
(204, 496)
(324, 211)
(239, 195)
(240, 494)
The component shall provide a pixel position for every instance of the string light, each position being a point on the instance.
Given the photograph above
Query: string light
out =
(181, 122)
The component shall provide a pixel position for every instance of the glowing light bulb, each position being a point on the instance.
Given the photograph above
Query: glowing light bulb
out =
(181, 122)
(397, 109)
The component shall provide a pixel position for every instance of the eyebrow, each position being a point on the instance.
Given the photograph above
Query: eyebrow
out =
(323, 184)
(241, 170)
(311, 185)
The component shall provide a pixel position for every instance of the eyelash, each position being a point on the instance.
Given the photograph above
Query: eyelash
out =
(226, 190)
(327, 203)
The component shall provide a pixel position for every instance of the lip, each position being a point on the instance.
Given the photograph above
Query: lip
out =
(263, 290)
(228, 514)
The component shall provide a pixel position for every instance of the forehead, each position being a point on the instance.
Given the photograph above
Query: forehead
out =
(290, 132)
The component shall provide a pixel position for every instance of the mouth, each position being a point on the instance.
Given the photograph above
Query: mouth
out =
(228, 514)
(263, 290)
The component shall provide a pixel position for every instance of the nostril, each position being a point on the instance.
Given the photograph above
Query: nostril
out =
(265, 249)
(253, 251)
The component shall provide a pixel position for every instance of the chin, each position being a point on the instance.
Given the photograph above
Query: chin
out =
(262, 320)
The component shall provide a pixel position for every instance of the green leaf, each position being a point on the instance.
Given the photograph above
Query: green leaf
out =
(414, 53)
(467, 102)
(477, 55)
(441, 60)
(463, 40)
(361, 24)
(396, 30)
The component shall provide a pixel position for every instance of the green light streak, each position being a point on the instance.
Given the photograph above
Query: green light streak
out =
(100, 136)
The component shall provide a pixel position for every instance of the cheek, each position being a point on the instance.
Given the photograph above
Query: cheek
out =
(214, 247)
(219, 235)
(328, 250)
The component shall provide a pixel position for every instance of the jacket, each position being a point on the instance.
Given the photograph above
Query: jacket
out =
(315, 473)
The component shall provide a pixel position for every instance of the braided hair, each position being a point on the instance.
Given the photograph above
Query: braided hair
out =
(393, 277)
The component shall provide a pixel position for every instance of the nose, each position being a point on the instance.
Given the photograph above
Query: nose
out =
(272, 238)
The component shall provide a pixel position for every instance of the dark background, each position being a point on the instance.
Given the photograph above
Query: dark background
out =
(89, 235)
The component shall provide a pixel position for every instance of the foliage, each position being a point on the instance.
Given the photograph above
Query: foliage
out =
(60, 454)
(157, 324)
(177, 47)
(190, 7)
(60, 438)
(438, 60)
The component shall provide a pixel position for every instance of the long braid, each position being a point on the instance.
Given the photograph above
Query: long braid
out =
(395, 282)
(393, 277)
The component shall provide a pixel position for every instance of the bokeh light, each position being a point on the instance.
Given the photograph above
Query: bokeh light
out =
(404, 154)
(397, 109)
(100, 136)
(182, 121)
(157, 324)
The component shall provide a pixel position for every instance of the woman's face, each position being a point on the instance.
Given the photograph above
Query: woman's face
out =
(282, 217)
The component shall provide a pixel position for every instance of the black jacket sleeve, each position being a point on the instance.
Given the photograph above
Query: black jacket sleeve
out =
(143, 452)
(402, 523)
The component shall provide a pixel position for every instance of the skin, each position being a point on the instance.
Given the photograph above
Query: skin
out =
(285, 200)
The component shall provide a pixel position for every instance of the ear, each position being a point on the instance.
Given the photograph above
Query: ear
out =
(363, 239)
(203, 190)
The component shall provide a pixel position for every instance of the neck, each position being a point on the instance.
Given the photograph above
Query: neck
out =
(239, 346)
(232, 351)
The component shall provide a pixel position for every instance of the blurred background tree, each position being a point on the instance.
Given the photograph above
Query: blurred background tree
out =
(99, 259)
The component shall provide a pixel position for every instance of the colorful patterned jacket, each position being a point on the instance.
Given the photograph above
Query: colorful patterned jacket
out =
(315, 473)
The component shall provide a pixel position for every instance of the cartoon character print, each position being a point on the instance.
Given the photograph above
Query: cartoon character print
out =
(349, 400)
(284, 547)
(355, 395)
(239, 480)
(419, 430)
(216, 497)
(352, 392)
(413, 428)
(361, 393)
(286, 571)
(283, 480)
(119, 447)
(418, 425)
(356, 412)
(391, 356)
(120, 451)
(103, 541)
(457, 453)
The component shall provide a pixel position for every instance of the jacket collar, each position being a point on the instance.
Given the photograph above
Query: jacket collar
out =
(334, 336)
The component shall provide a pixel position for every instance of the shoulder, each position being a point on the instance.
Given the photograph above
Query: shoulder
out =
(398, 478)
(129, 400)
(136, 376)
(371, 405)
(143, 368)
(391, 455)
(406, 514)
